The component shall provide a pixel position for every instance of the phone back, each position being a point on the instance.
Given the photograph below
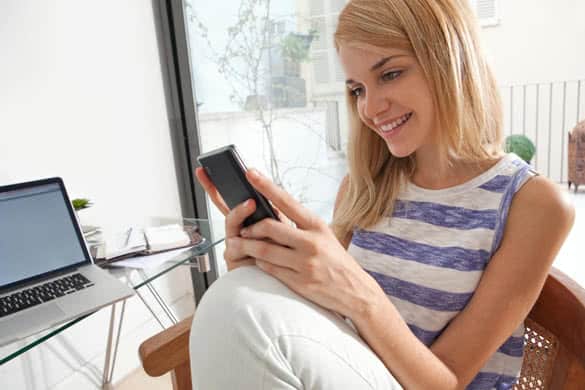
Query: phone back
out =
(227, 173)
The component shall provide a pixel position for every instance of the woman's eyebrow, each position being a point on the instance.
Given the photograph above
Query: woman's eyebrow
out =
(382, 62)
(377, 65)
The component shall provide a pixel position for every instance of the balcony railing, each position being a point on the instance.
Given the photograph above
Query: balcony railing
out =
(545, 113)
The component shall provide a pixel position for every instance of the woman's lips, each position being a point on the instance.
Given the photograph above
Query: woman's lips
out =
(394, 124)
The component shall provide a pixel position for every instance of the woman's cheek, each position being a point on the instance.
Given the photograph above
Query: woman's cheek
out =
(363, 118)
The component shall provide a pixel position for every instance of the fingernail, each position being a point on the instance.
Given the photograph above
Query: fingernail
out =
(244, 232)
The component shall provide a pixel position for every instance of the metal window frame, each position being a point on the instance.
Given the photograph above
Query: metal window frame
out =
(183, 122)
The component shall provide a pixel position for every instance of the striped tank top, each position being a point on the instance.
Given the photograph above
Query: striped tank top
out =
(430, 256)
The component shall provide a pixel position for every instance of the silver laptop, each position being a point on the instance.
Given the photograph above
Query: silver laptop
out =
(47, 275)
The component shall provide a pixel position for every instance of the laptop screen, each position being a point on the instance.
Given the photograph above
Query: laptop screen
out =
(37, 234)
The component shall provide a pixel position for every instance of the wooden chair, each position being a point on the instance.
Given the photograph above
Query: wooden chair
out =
(576, 156)
(554, 353)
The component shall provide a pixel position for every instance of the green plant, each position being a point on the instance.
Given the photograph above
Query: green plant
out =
(296, 46)
(81, 203)
(521, 145)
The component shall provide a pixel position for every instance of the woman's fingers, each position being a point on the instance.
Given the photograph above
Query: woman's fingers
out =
(264, 250)
(295, 211)
(233, 255)
(234, 258)
(235, 218)
(208, 186)
(240, 263)
(281, 217)
(276, 231)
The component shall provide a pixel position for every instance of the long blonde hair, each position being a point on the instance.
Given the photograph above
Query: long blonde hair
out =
(443, 36)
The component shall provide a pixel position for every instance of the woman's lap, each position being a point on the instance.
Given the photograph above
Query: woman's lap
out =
(251, 332)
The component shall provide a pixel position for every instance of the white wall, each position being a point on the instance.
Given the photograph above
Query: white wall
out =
(537, 41)
(81, 97)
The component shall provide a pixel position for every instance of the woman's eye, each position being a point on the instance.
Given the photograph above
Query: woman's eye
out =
(356, 91)
(391, 75)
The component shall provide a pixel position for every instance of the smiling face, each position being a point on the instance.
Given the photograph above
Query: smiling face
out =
(391, 95)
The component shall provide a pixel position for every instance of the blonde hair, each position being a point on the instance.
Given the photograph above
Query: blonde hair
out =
(443, 36)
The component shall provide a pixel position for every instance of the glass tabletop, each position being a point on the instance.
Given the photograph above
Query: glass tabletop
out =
(136, 274)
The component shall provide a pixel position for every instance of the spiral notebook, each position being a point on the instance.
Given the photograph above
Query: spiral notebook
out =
(138, 241)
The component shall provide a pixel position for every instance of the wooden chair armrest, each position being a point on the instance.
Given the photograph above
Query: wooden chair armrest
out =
(560, 308)
(166, 350)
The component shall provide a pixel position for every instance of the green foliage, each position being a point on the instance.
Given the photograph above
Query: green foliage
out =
(296, 46)
(521, 145)
(81, 203)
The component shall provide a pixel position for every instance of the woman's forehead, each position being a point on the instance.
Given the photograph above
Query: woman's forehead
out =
(372, 51)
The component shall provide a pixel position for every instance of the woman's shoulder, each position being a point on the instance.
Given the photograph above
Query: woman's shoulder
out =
(543, 200)
(535, 191)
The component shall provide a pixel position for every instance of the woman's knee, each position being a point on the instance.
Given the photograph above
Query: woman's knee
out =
(234, 321)
(238, 301)
(239, 289)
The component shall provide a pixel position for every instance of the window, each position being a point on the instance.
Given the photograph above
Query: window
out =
(252, 75)
(487, 11)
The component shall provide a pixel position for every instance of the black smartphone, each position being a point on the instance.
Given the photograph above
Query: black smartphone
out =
(227, 171)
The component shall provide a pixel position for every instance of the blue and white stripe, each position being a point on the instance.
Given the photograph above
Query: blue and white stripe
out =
(430, 255)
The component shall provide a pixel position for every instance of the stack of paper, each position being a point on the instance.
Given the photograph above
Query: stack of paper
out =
(132, 242)
(161, 238)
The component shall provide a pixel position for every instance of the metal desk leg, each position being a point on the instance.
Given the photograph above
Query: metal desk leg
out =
(149, 309)
(110, 362)
(118, 334)
(161, 302)
(109, 346)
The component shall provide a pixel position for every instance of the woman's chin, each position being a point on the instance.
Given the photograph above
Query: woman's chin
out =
(399, 151)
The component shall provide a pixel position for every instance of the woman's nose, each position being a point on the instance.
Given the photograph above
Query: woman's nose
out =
(375, 103)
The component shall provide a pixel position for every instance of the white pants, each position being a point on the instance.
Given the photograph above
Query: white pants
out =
(250, 332)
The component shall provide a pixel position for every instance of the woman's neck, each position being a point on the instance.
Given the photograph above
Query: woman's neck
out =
(434, 172)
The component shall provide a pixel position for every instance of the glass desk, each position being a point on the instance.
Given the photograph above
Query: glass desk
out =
(196, 257)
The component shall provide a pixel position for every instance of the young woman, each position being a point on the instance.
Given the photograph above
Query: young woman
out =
(439, 246)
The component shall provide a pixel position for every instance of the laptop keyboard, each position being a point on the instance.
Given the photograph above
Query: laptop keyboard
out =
(42, 293)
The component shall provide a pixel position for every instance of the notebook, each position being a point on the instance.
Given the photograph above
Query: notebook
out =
(138, 241)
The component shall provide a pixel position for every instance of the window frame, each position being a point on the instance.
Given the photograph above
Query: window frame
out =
(181, 102)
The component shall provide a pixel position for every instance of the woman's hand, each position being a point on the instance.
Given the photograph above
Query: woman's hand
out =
(307, 258)
(233, 221)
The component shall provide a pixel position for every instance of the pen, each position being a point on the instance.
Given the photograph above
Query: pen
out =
(128, 236)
